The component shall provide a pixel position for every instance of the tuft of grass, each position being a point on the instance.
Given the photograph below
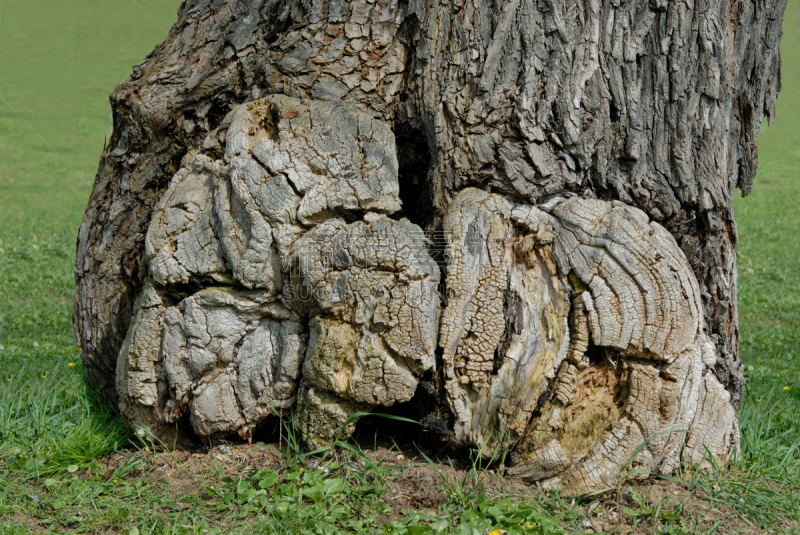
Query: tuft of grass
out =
(54, 423)
(13, 528)
(50, 419)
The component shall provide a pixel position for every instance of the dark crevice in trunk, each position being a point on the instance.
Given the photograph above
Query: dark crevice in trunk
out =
(434, 421)
(512, 310)
(172, 294)
(275, 430)
(186, 432)
(414, 172)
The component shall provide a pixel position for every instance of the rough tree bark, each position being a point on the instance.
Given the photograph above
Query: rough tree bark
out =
(520, 209)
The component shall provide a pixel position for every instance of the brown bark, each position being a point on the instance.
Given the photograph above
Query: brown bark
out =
(656, 105)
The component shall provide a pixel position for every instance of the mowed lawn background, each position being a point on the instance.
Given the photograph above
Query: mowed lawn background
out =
(59, 60)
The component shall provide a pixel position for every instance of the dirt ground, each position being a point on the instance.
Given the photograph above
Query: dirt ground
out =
(418, 484)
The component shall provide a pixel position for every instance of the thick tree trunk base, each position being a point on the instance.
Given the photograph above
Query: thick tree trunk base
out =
(571, 334)
(317, 206)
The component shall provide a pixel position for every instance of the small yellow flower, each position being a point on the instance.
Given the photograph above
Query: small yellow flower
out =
(9, 378)
(43, 376)
(71, 365)
(758, 400)
(497, 532)
(786, 388)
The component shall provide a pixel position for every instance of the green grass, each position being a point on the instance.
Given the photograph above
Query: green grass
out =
(769, 288)
(769, 229)
(60, 60)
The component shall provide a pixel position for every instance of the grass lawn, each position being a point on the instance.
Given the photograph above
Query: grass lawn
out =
(66, 463)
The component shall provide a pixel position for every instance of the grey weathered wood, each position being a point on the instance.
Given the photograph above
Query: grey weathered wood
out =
(547, 111)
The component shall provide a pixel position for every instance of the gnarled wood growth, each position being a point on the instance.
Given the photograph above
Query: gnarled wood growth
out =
(600, 347)
(521, 207)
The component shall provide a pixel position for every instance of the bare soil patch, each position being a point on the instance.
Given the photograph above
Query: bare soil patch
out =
(417, 484)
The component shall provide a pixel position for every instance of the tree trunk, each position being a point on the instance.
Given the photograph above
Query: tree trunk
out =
(522, 208)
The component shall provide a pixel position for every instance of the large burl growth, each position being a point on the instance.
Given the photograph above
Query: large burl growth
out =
(521, 209)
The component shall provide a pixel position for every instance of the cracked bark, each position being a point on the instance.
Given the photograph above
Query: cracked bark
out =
(246, 247)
